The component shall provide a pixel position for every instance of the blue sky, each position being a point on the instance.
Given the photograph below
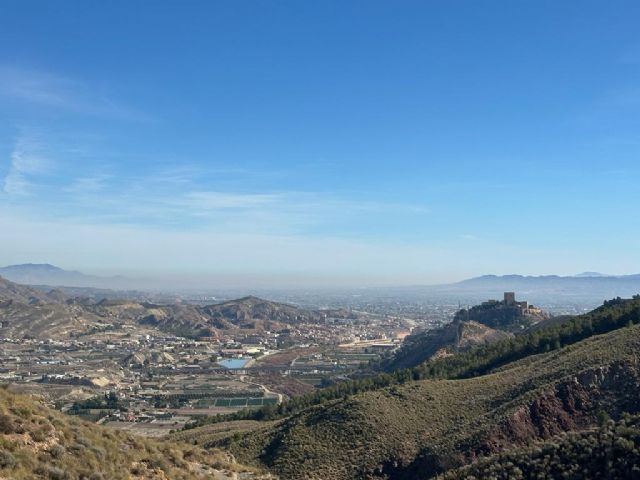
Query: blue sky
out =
(305, 142)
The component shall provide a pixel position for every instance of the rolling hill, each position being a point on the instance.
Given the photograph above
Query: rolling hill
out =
(13, 292)
(254, 312)
(419, 429)
(42, 321)
(497, 315)
(250, 313)
(27, 312)
(30, 312)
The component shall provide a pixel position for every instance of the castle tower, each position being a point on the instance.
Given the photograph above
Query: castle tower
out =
(509, 298)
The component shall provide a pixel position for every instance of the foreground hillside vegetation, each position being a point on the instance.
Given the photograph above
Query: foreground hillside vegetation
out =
(447, 413)
(611, 451)
(39, 443)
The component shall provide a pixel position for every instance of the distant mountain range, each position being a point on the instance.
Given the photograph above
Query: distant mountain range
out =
(598, 284)
(46, 274)
(592, 274)
(586, 289)
(547, 278)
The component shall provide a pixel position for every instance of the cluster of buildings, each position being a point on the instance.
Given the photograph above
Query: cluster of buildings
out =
(156, 381)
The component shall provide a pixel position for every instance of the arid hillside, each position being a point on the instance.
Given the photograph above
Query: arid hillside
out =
(27, 312)
(39, 443)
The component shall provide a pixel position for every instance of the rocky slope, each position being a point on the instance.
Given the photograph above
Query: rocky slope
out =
(610, 451)
(452, 338)
(18, 320)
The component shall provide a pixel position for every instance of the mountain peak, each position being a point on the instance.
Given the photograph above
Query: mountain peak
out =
(591, 274)
(52, 275)
(33, 266)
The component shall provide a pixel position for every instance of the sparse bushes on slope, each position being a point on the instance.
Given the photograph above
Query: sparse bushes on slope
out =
(613, 314)
(39, 443)
(612, 452)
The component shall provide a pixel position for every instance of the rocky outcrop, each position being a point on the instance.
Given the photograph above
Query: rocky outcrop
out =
(572, 404)
(442, 342)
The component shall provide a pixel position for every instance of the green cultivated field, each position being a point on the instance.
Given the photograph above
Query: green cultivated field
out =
(237, 402)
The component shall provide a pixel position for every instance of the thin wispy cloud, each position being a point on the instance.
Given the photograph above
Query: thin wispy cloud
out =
(109, 198)
(88, 185)
(246, 212)
(224, 201)
(26, 162)
(50, 90)
(143, 249)
(178, 194)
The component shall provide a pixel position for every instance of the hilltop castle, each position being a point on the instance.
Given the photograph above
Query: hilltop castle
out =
(507, 314)
(523, 307)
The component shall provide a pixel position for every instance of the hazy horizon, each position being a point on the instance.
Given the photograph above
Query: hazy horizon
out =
(220, 281)
(367, 143)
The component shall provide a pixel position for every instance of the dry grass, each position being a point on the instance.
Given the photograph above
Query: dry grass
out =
(39, 443)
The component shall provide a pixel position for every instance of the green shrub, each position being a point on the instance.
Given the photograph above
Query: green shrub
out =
(57, 451)
(7, 460)
(39, 435)
(7, 425)
(52, 473)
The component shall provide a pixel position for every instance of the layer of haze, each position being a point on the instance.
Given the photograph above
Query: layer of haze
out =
(320, 143)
